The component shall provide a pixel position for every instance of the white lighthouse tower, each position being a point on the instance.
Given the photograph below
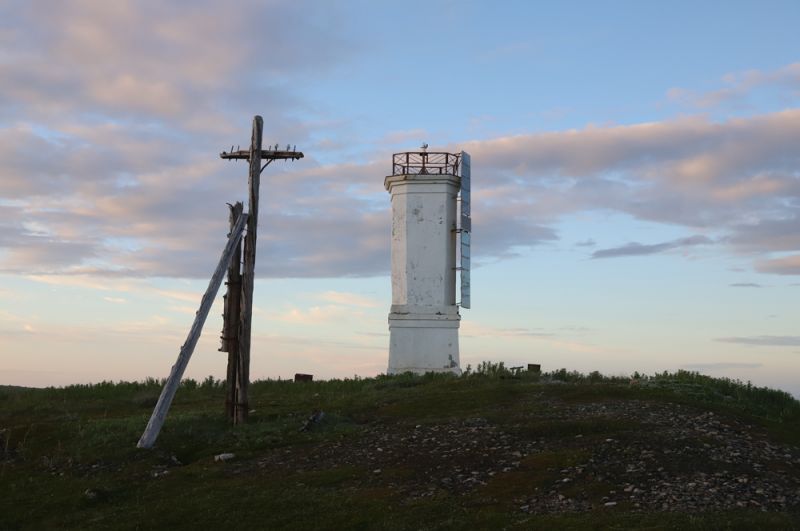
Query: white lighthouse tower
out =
(427, 224)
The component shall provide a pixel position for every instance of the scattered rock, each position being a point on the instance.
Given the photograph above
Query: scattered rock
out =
(671, 458)
(315, 418)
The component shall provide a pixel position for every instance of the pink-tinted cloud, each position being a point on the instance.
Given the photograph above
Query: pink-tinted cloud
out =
(738, 87)
(134, 60)
(333, 220)
(112, 116)
(787, 265)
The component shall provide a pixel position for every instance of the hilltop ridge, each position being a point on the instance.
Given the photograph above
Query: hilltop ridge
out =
(492, 449)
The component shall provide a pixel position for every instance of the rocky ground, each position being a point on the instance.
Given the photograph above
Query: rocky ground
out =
(568, 457)
(493, 451)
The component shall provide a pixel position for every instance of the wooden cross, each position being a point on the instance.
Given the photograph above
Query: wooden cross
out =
(238, 300)
(239, 316)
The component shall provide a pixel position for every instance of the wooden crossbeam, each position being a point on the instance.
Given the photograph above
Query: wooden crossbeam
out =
(266, 154)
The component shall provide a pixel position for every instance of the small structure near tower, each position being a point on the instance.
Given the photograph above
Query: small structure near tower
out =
(427, 225)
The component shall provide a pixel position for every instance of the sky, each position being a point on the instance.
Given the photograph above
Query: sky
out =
(635, 181)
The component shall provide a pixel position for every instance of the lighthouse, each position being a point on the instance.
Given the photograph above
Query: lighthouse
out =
(430, 247)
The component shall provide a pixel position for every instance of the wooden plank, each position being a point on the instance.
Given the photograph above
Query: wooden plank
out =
(248, 274)
(231, 318)
(171, 386)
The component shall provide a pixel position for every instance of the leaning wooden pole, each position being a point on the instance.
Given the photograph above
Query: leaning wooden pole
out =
(171, 386)
(248, 274)
(231, 319)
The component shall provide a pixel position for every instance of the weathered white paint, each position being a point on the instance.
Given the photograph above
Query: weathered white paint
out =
(424, 318)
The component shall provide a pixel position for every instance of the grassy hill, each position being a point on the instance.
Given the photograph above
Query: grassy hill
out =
(489, 450)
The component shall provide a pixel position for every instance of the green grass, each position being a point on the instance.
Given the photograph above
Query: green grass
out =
(58, 444)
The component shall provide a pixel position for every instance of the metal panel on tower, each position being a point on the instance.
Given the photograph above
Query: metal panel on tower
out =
(466, 229)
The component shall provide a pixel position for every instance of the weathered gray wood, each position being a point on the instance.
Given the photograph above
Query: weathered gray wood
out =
(230, 331)
(171, 386)
(248, 274)
(230, 328)
(244, 154)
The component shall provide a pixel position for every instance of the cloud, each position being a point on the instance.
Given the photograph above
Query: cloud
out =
(638, 249)
(472, 328)
(739, 86)
(349, 299)
(720, 366)
(764, 341)
(733, 179)
(787, 265)
(770, 234)
(745, 285)
(57, 254)
(690, 151)
(317, 315)
(155, 60)
(117, 287)
(111, 120)
(333, 220)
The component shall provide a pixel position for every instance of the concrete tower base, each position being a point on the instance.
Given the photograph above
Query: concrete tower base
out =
(423, 343)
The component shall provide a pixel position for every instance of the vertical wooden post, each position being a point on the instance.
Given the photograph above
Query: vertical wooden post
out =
(231, 319)
(248, 274)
